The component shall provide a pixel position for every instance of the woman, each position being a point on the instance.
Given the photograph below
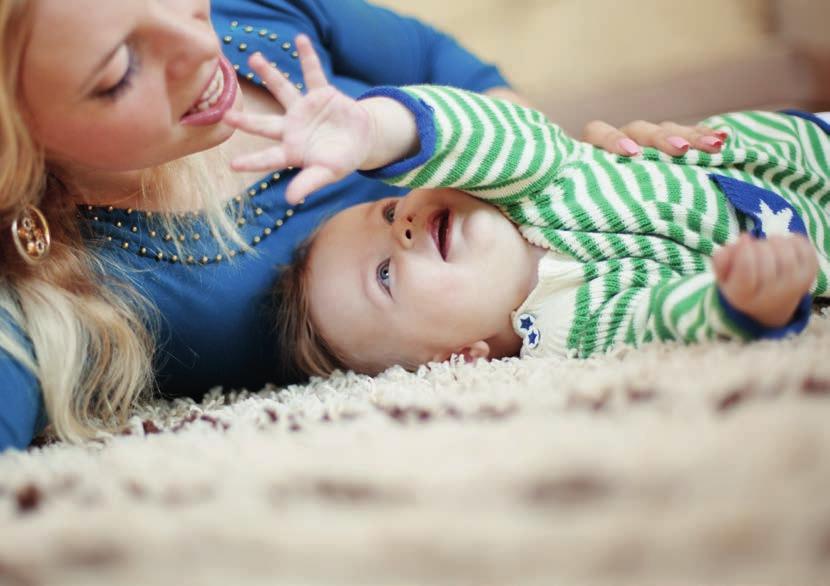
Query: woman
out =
(129, 256)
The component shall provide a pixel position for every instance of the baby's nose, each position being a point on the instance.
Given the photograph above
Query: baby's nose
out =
(405, 231)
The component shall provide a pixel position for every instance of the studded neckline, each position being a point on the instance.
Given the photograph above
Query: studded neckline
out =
(259, 213)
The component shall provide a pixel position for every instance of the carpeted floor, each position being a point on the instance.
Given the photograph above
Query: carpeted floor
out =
(669, 465)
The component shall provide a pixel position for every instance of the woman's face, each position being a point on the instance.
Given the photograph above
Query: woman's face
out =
(113, 85)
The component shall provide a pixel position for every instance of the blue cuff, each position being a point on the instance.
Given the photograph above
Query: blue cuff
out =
(823, 124)
(426, 132)
(758, 330)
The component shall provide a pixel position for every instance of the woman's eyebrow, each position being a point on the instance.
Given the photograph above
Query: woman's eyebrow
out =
(85, 86)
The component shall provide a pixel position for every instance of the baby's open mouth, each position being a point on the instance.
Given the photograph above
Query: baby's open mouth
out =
(439, 228)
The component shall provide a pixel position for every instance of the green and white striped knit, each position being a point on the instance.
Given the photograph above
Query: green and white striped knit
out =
(630, 238)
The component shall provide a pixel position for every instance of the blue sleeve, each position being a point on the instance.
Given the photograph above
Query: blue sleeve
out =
(380, 47)
(22, 415)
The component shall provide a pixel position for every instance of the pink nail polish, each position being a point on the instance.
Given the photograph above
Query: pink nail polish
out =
(629, 147)
(722, 134)
(711, 141)
(678, 142)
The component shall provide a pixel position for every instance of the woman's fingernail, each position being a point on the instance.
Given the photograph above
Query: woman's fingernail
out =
(711, 141)
(678, 142)
(629, 147)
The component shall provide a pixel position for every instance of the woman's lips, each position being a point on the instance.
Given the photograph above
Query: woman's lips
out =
(226, 99)
(440, 228)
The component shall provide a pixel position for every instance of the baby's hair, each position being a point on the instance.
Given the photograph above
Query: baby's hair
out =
(303, 352)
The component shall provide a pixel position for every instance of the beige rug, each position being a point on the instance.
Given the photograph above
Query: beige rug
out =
(669, 465)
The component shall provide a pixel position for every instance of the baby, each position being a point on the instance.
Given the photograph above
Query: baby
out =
(519, 240)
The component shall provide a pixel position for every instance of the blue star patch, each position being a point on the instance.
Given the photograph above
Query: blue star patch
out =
(771, 214)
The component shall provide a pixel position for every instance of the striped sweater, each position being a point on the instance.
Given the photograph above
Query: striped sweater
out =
(630, 239)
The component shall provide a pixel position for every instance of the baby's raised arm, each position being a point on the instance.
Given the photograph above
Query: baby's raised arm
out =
(325, 132)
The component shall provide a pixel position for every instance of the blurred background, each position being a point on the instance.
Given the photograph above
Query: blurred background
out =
(620, 60)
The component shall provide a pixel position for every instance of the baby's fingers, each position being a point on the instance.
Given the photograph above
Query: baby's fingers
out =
(265, 160)
(275, 81)
(267, 125)
(307, 182)
(313, 73)
(742, 283)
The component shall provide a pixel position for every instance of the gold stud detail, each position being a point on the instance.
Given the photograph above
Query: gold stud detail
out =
(232, 253)
(263, 186)
(227, 39)
(262, 32)
(174, 258)
(294, 54)
(257, 239)
(258, 211)
(160, 256)
(119, 224)
(142, 251)
(278, 223)
(125, 245)
(89, 208)
(197, 237)
(31, 235)
(241, 222)
(286, 46)
(299, 86)
(249, 76)
(234, 23)
(110, 209)
(109, 238)
(149, 215)
(252, 192)
(181, 238)
(190, 260)
(289, 213)
(248, 29)
(129, 211)
(275, 176)
(153, 233)
(273, 37)
(236, 67)
(168, 237)
(204, 260)
(286, 74)
(134, 229)
(243, 47)
(218, 258)
(267, 231)
(94, 218)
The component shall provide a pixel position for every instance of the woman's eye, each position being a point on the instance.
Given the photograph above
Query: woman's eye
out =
(114, 92)
(383, 274)
(389, 213)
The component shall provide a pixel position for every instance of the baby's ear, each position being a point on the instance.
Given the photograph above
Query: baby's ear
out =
(470, 352)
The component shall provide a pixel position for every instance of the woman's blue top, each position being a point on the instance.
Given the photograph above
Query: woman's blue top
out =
(214, 326)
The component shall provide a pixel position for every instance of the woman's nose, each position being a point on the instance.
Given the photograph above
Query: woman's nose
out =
(185, 37)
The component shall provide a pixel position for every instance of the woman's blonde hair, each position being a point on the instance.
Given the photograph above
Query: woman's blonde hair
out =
(91, 334)
(303, 352)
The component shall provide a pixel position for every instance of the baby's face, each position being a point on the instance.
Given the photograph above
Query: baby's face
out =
(414, 279)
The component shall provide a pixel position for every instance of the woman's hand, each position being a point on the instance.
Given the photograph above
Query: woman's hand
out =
(673, 139)
(325, 133)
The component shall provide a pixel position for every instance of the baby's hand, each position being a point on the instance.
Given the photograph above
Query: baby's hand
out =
(325, 132)
(766, 279)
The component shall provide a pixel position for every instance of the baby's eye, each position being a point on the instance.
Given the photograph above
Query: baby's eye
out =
(389, 212)
(383, 274)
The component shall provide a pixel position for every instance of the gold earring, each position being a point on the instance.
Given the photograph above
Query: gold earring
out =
(31, 236)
